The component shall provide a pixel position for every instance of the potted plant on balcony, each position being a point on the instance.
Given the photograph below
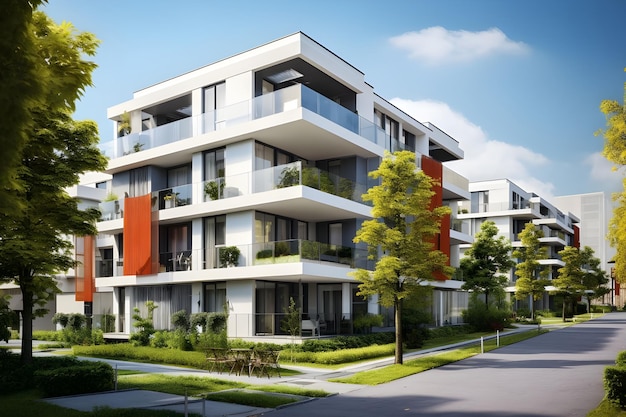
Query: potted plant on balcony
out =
(170, 200)
(214, 189)
(229, 256)
(289, 177)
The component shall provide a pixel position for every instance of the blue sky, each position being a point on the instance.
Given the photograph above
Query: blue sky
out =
(518, 83)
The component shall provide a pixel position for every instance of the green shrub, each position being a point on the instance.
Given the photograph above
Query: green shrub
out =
(615, 385)
(365, 322)
(345, 355)
(621, 358)
(16, 376)
(49, 335)
(77, 379)
(127, 351)
(545, 313)
(482, 319)
(264, 254)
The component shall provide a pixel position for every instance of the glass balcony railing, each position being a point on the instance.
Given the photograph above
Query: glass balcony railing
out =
(223, 256)
(279, 101)
(268, 179)
(112, 210)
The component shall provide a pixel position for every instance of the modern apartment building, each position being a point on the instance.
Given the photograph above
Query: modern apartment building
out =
(595, 211)
(511, 208)
(238, 186)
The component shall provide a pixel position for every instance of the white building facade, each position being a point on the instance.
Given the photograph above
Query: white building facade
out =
(595, 211)
(238, 186)
(511, 208)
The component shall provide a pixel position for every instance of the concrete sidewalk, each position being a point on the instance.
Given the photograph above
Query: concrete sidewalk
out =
(310, 378)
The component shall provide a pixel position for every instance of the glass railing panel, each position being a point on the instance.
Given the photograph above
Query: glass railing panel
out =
(176, 261)
(213, 189)
(172, 197)
(104, 268)
(111, 210)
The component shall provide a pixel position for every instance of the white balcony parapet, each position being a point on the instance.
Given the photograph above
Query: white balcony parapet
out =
(279, 101)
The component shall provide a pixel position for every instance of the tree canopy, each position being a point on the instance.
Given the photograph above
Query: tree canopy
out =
(403, 230)
(34, 244)
(580, 276)
(615, 151)
(486, 262)
(532, 276)
(22, 89)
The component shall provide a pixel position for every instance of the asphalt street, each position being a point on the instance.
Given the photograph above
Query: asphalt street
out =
(553, 375)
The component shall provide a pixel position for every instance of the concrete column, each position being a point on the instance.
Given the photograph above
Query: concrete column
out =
(346, 300)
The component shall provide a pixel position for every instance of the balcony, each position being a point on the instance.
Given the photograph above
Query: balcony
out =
(286, 99)
(222, 256)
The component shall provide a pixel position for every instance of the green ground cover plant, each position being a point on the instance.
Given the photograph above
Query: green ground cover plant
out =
(219, 390)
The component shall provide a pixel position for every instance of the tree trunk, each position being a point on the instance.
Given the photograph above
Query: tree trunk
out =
(398, 322)
(563, 314)
(27, 326)
(487, 300)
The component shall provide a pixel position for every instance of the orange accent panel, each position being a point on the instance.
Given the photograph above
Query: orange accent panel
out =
(616, 288)
(576, 236)
(138, 235)
(434, 169)
(84, 284)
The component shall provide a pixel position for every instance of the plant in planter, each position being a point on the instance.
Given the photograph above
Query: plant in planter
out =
(229, 256)
(214, 189)
(289, 177)
(137, 147)
(170, 200)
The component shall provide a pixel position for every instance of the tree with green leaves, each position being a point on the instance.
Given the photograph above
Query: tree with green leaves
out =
(569, 283)
(581, 276)
(532, 276)
(22, 90)
(486, 261)
(615, 151)
(400, 236)
(34, 244)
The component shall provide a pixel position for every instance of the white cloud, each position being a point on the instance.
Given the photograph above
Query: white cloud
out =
(485, 159)
(437, 45)
(602, 171)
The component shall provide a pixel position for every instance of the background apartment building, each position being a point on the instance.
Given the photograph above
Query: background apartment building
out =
(238, 186)
(595, 211)
(511, 208)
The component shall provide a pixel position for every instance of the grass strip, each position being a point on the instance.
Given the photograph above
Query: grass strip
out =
(252, 399)
(414, 366)
(606, 409)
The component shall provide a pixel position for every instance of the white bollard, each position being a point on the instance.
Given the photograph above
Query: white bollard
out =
(186, 414)
(498, 338)
(482, 344)
(115, 379)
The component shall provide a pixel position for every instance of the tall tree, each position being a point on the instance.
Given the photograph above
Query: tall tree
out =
(33, 243)
(569, 283)
(486, 261)
(21, 90)
(615, 151)
(532, 276)
(581, 276)
(403, 230)
(594, 278)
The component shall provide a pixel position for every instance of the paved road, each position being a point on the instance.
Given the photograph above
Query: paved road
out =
(555, 374)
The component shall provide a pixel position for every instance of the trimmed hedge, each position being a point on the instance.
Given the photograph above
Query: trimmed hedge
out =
(81, 378)
(342, 356)
(621, 358)
(615, 385)
(144, 353)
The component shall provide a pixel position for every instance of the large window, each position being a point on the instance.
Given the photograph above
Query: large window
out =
(214, 166)
(270, 228)
(214, 97)
(267, 157)
(214, 236)
(215, 297)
